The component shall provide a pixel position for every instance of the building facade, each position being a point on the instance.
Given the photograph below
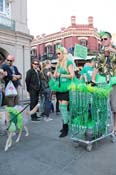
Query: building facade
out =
(14, 34)
(114, 39)
(84, 34)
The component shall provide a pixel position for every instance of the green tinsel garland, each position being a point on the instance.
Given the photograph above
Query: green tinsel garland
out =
(102, 79)
(113, 81)
(100, 91)
(78, 85)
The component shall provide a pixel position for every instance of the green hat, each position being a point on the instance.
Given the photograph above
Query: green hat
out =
(62, 49)
(104, 33)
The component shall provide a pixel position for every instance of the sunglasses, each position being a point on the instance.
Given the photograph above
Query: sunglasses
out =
(104, 39)
(35, 63)
(10, 60)
(58, 53)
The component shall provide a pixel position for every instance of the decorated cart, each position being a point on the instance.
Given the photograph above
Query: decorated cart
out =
(90, 115)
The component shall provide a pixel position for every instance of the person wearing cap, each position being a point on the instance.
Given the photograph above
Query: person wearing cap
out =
(106, 59)
(106, 66)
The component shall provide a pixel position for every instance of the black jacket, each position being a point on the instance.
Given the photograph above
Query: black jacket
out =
(33, 82)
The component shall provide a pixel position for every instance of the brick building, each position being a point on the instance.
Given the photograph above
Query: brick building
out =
(84, 34)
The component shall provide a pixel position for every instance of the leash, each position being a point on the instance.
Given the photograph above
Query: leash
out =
(14, 120)
(23, 109)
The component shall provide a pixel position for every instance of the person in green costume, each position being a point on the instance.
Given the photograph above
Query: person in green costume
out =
(106, 66)
(64, 72)
(87, 70)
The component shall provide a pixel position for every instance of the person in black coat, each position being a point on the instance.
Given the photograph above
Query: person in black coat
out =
(33, 84)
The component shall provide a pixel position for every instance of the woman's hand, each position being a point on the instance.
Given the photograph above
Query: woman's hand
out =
(56, 75)
(49, 74)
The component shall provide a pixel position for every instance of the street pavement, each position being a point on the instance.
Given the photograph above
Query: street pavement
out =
(44, 153)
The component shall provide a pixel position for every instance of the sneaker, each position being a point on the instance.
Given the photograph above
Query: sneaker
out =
(35, 119)
(47, 119)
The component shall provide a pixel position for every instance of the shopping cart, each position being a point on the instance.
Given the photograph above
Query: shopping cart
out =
(90, 117)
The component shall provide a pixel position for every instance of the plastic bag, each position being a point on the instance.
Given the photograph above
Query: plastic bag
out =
(10, 90)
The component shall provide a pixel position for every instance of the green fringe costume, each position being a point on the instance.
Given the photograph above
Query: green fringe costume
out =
(15, 119)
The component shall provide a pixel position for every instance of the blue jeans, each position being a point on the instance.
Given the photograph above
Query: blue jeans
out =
(42, 101)
(47, 102)
(1, 97)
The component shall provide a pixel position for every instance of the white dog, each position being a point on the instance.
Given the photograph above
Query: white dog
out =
(14, 118)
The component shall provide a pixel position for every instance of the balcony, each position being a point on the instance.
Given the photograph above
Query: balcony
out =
(7, 23)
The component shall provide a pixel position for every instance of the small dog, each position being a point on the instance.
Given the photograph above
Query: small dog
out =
(14, 118)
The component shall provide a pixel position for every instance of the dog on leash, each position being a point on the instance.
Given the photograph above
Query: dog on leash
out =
(14, 118)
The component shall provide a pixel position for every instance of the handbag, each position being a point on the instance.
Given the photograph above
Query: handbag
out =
(10, 89)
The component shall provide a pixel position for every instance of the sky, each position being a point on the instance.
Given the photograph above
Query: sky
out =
(48, 16)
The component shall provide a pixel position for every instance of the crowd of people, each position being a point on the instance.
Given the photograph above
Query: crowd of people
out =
(38, 76)
(37, 79)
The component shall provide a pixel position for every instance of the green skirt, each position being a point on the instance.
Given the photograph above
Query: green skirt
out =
(60, 85)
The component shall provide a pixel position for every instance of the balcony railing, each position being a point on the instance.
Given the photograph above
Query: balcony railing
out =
(7, 23)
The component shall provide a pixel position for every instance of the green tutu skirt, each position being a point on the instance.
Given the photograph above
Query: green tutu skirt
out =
(57, 85)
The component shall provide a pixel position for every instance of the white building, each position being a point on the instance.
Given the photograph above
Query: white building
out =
(114, 38)
(14, 34)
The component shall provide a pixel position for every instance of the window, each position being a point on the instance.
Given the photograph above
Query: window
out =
(83, 42)
(45, 49)
(1, 6)
(56, 46)
(34, 52)
(49, 49)
(5, 7)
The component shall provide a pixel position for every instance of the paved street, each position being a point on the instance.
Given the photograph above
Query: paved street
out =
(44, 153)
